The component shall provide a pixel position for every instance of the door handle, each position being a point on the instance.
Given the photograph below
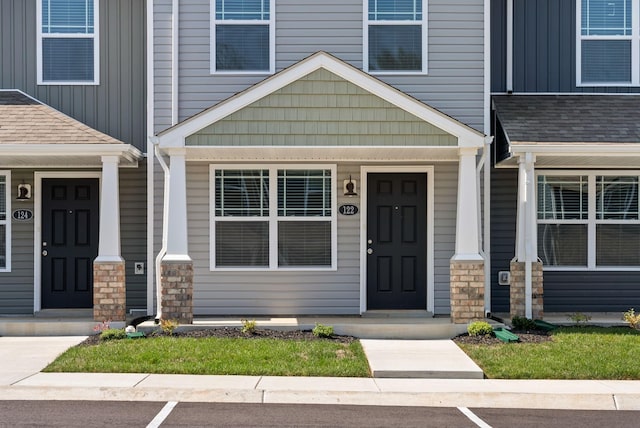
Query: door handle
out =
(369, 250)
(44, 253)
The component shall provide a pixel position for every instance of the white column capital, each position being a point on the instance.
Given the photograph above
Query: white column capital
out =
(110, 159)
(467, 151)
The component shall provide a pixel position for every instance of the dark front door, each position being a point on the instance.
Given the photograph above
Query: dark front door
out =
(69, 241)
(397, 241)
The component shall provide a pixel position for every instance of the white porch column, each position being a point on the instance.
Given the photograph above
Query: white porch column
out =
(467, 231)
(526, 243)
(177, 241)
(109, 242)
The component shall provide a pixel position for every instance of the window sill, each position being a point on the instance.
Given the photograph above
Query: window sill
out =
(68, 83)
(275, 270)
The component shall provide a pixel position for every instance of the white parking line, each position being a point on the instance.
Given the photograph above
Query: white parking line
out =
(473, 418)
(162, 415)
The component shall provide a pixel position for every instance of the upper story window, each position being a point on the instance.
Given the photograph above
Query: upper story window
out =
(589, 221)
(608, 42)
(395, 36)
(68, 42)
(242, 38)
(5, 223)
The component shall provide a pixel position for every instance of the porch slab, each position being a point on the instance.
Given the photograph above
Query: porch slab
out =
(394, 326)
(38, 326)
(437, 359)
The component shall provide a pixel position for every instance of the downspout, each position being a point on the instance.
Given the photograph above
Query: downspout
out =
(165, 226)
(487, 160)
(509, 59)
(150, 159)
(484, 220)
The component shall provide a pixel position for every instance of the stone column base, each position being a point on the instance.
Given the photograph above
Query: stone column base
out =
(516, 290)
(177, 291)
(109, 291)
(467, 291)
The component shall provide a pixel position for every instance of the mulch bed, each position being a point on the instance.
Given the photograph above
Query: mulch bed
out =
(228, 332)
(526, 336)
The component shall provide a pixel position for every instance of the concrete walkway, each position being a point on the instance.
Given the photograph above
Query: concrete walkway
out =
(21, 360)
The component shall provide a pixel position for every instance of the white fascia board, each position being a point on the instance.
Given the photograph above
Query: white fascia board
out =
(576, 149)
(317, 153)
(467, 136)
(124, 151)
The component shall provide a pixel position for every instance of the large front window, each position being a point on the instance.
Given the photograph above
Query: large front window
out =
(68, 42)
(270, 218)
(588, 221)
(608, 42)
(242, 36)
(5, 222)
(395, 33)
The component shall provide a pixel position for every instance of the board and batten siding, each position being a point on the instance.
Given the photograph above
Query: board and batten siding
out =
(298, 292)
(117, 106)
(564, 291)
(454, 83)
(16, 287)
(544, 48)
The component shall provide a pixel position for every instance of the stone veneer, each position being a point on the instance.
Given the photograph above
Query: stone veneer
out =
(177, 291)
(467, 291)
(516, 290)
(109, 291)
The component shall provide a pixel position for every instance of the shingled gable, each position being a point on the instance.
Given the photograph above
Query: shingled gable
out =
(36, 133)
(176, 135)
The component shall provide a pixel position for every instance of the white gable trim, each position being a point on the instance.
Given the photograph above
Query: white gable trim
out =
(175, 137)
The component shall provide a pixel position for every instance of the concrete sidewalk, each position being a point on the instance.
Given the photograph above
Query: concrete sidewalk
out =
(21, 360)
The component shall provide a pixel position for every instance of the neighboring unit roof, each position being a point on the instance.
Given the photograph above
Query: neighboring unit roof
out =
(531, 119)
(34, 134)
(24, 120)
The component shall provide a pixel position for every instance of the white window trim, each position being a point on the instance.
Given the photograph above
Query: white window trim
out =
(272, 40)
(591, 221)
(273, 217)
(365, 41)
(96, 47)
(7, 222)
(635, 47)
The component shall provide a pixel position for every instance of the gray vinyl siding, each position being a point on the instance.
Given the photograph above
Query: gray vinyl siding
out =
(16, 287)
(454, 83)
(591, 291)
(296, 293)
(445, 205)
(564, 291)
(504, 192)
(133, 233)
(544, 48)
(117, 105)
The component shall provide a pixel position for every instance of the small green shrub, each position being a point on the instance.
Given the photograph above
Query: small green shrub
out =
(579, 318)
(168, 325)
(249, 326)
(322, 330)
(479, 328)
(523, 323)
(113, 334)
(632, 318)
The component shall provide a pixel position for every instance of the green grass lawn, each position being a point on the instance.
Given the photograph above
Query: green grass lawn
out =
(574, 353)
(217, 356)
